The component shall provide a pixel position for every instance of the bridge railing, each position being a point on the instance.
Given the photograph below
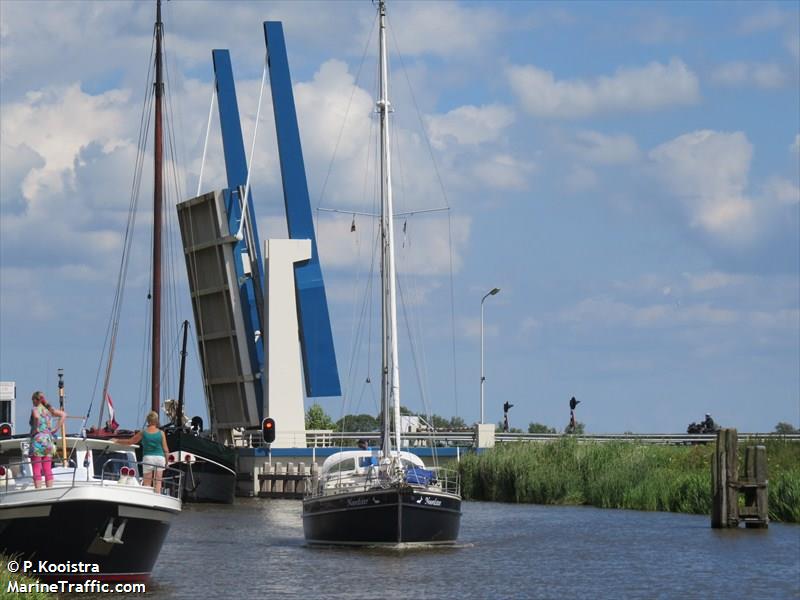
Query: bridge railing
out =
(320, 438)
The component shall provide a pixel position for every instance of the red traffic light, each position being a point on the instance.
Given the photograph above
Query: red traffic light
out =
(5, 430)
(268, 430)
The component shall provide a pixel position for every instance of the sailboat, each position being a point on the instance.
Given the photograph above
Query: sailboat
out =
(209, 467)
(97, 520)
(386, 496)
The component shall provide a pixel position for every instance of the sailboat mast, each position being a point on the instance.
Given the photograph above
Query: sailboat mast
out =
(157, 202)
(390, 389)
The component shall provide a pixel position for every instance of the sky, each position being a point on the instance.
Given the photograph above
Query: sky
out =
(628, 174)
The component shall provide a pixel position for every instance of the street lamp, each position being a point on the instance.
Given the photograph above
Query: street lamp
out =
(492, 292)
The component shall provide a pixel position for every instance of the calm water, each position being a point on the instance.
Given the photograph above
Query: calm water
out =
(256, 549)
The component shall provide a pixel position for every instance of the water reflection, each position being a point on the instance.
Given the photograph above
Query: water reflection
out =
(256, 548)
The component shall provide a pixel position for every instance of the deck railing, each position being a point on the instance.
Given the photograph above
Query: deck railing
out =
(16, 476)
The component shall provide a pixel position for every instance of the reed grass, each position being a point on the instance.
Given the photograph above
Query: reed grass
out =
(620, 475)
(6, 578)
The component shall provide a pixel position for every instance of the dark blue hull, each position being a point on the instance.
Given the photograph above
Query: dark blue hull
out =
(390, 516)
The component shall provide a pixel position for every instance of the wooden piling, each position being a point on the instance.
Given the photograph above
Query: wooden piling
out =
(291, 472)
(755, 512)
(726, 484)
(300, 488)
(277, 485)
(314, 476)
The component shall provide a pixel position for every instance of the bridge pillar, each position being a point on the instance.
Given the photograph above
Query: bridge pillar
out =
(284, 382)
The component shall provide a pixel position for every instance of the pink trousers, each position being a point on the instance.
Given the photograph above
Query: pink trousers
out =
(39, 464)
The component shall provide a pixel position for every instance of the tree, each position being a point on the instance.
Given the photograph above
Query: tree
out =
(580, 428)
(440, 423)
(359, 423)
(457, 423)
(316, 418)
(785, 428)
(540, 428)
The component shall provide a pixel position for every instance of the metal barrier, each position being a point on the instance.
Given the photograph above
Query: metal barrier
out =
(467, 438)
(16, 476)
(165, 480)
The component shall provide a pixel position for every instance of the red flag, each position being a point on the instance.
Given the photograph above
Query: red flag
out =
(112, 422)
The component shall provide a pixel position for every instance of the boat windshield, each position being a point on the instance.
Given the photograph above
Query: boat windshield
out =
(120, 459)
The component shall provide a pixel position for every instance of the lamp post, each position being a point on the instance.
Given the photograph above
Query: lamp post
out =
(492, 292)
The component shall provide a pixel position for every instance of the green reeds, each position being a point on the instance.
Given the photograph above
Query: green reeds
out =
(619, 475)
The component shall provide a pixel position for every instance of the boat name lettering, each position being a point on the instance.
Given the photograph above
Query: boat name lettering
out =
(429, 501)
(362, 501)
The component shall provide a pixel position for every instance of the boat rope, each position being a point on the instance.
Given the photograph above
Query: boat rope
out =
(439, 179)
(205, 143)
(347, 112)
(239, 235)
(109, 345)
(174, 251)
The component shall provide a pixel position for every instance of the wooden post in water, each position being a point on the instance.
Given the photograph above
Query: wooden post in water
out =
(314, 476)
(291, 469)
(724, 475)
(278, 483)
(755, 512)
(301, 483)
(726, 484)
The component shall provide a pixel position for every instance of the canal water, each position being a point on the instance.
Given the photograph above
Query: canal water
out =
(256, 549)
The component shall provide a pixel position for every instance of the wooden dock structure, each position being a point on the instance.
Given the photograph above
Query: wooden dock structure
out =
(283, 480)
(727, 485)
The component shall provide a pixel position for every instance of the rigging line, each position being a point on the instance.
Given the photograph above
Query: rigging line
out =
(144, 371)
(447, 203)
(452, 309)
(208, 131)
(347, 111)
(239, 235)
(366, 178)
(180, 149)
(113, 324)
(412, 347)
(419, 118)
(172, 251)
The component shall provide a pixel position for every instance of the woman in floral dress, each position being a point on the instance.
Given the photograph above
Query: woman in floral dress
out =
(42, 443)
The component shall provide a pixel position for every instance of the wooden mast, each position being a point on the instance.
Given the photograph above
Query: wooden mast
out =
(157, 214)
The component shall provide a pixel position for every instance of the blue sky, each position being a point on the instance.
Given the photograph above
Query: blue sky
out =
(626, 173)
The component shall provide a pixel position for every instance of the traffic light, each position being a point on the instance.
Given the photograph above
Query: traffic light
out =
(5, 430)
(268, 430)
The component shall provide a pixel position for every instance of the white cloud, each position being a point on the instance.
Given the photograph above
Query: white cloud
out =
(661, 29)
(652, 87)
(765, 20)
(423, 249)
(740, 74)
(447, 29)
(599, 148)
(707, 172)
(503, 171)
(581, 178)
(782, 191)
(795, 147)
(602, 310)
(470, 125)
(713, 280)
(56, 123)
(792, 44)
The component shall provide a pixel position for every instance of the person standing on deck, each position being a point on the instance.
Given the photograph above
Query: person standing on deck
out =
(154, 451)
(43, 445)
